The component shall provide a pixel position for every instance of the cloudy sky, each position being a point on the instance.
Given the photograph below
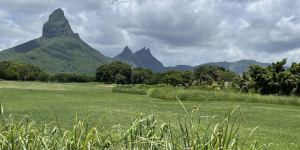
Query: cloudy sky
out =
(177, 31)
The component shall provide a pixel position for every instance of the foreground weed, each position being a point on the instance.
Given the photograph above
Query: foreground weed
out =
(144, 133)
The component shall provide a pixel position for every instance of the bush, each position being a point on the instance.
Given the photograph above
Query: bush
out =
(43, 77)
(114, 72)
(72, 77)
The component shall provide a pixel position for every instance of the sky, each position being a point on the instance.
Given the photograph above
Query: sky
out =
(190, 32)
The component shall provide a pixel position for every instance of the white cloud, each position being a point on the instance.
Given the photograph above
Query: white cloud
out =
(287, 29)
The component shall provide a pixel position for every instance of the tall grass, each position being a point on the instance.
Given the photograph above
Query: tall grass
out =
(172, 93)
(204, 95)
(144, 133)
(131, 89)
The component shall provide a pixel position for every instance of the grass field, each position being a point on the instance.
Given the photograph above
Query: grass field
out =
(277, 124)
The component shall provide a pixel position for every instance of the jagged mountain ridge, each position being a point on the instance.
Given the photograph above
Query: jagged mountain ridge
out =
(139, 59)
(142, 58)
(58, 50)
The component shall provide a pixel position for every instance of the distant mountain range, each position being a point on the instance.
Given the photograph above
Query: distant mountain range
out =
(143, 58)
(61, 50)
(180, 67)
(237, 67)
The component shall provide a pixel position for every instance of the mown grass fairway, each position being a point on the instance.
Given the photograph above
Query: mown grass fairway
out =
(278, 124)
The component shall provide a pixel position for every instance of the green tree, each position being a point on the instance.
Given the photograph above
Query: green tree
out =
(244, 83)
(140, 75)
(120, 79)
(208, 73)
(227, 76)
(274, 79)
(108, 73)
(176, 77)
(155, 78)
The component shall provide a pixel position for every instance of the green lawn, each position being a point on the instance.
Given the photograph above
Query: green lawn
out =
(277, 124)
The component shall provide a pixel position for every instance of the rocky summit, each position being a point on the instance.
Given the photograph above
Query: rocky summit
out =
(58, 50)
(142, 58)
(57, 25)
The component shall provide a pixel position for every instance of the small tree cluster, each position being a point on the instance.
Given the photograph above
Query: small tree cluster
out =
(20, 71)
(210, 73)
(274, 79)
(115, 72)
(171, 77)
(140, 75)
(25, 72)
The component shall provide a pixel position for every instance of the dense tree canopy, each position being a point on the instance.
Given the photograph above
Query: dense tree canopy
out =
(274, 79)
(140, 75)
(19, 71)
(25, 72)
(176, 77)
(114, 72)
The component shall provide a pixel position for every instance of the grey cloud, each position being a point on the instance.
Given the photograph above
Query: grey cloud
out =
(178, 24)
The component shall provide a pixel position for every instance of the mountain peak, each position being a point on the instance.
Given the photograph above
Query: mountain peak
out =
(57, 25)
(127, 50)
(57, 14)
(142, 58)
(144, 51)
(126, 54)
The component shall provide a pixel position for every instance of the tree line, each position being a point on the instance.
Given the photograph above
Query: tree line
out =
(119, 73)
(274, 79)
(122, 73)
(26, 72)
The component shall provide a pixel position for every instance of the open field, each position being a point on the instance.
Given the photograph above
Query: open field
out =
(278, 124)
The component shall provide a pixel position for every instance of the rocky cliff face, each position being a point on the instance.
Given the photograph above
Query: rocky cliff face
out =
(127, 54)
(57, 25)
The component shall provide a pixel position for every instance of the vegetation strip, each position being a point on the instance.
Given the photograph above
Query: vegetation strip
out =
(171, 93)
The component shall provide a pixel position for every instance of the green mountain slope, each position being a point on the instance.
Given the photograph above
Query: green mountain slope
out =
(58, 50)
(181, 67)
